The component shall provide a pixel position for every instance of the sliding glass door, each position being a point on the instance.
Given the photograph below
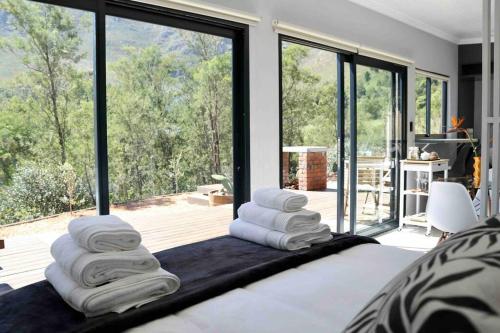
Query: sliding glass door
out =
(341, 134)
(377, 136)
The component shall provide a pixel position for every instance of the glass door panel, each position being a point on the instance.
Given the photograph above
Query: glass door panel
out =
(170, 132)
(47, 169)
(378, 132)
(346, 109)
(309, 126)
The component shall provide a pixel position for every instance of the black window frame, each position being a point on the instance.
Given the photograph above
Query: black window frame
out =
(237, 32)
(428, 104)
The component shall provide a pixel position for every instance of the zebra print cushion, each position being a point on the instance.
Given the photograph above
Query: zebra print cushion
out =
(453, 288)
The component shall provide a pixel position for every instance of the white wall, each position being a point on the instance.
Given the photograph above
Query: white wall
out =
(339, 18)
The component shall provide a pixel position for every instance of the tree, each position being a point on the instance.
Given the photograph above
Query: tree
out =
(143, 131)
(213, 99)
(169, 113)
(213, 93)
(70, 179)
(299, 93)
(420, 88)
(16, 137)
(48, 42)
(374, 109)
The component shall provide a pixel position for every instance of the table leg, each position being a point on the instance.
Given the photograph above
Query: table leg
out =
(429, 226)
(380, 195)
(417, 204)
(401, 195)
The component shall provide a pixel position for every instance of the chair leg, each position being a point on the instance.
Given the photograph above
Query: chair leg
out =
(364, 205)
(346, 202)
(442, 238)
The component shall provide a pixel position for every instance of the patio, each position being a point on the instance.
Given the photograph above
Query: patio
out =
(164, 222)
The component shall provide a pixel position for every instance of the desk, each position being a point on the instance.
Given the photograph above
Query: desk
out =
(417, 166)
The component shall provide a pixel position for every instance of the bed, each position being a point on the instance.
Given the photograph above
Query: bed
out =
(236, 270)
(320, 296)
(349, 284)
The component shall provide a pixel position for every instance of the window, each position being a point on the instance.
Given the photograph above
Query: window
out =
(309, 124)
(169, 109)
(431, 105)
(46, 112)
(340, 119)
(132, 109)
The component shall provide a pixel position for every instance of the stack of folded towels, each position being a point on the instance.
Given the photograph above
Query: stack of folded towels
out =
(276, 218)
(101, 267)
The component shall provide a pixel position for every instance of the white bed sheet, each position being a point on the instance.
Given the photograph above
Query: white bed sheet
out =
(320, 296)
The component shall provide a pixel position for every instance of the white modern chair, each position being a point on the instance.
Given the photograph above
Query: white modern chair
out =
(450, 208)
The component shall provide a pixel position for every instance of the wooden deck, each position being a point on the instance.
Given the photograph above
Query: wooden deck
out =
(163, 223)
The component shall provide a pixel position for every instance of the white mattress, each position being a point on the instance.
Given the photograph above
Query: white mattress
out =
(320, 296)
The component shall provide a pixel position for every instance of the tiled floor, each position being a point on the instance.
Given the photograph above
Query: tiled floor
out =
(411, 238)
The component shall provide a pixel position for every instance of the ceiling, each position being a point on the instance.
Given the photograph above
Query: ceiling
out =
(458, 21)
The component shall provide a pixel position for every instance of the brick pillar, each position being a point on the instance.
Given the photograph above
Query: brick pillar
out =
(286, 166)
(312, 171)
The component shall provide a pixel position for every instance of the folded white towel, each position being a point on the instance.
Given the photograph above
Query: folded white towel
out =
(278, 199)
(91, 269)
(302, 220)
(118, 296)
(279, 240)
(104, 233)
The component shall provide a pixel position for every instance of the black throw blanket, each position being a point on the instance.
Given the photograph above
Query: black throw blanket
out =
(206, 269)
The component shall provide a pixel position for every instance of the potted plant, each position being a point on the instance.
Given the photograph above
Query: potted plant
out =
(223, 196)
(456, 127)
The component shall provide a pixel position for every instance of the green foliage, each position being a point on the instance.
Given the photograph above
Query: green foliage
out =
(436, 106)
(142, 130)
(16, 140)
(48, 43)
(226, 183)
(310, 104)
(300, 94)
(169, 110)
(420, 84)
(40, 189)
(373, 110)
(46, 113)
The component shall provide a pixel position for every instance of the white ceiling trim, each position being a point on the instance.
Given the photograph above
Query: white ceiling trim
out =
(329, 40)
(402, 17)
(382, 55)
(207, 10)
(432, 75)
(313, 36)
(473, 40)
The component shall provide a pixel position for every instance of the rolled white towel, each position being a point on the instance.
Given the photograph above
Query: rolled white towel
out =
(89, 269)
(104, 233)
(279, 199)
(118, 296)
(302, 220)
(279, 240)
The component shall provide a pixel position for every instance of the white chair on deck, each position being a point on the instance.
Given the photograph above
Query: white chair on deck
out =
(450, 208)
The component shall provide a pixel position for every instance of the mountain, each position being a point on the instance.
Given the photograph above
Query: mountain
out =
(120, 34)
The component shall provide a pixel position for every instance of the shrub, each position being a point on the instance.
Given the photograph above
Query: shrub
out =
(39, 189)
